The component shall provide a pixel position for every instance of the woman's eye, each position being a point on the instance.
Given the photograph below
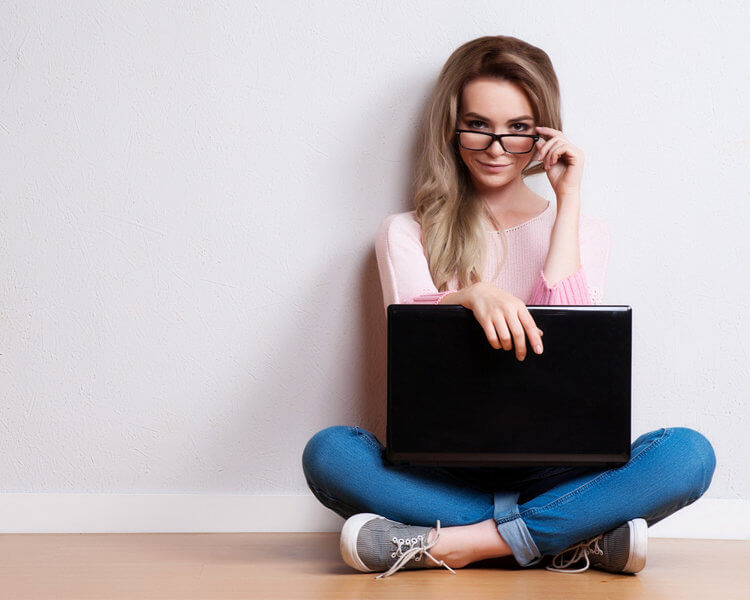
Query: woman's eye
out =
(478, 125)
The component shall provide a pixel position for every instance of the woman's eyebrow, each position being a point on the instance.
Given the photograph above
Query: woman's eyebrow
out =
(478, 116)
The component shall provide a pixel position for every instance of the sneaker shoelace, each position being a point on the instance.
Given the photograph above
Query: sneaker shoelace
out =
(416, 549)
(579, 550)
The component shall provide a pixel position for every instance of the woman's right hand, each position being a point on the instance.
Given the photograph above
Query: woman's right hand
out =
(503, 316)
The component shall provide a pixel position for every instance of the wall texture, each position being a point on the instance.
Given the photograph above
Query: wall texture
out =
(189, 194)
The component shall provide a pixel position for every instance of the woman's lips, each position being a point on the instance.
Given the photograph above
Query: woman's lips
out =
(496, 168)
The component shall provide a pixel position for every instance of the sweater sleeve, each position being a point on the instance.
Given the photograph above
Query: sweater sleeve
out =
(586, 285)
(404, 273)
(570, 290)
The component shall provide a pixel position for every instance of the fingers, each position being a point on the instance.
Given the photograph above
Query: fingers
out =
(497, 331)
(547, 130)
(532, 331)
(552, 155)
(543, 147)
(491, 329)
(519, 337)
(502, 328)
(553, 150)
(548, 135)
(511, 329)
(508, 323)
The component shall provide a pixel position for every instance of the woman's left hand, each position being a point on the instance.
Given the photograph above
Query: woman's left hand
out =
(562, 161)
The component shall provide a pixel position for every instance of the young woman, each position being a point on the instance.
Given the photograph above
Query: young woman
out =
(481, 238)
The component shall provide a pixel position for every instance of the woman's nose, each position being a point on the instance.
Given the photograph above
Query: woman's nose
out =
(496, 149)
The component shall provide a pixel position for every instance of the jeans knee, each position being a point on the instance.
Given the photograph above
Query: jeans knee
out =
(698, 457)
(321, 450)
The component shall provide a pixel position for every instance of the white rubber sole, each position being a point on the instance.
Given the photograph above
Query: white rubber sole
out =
(348, 540)
(638, 546)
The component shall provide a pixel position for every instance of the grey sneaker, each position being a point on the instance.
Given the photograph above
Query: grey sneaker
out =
(370, 543)
(619, 550)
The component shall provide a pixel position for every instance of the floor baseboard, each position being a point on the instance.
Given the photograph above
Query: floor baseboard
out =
(707, 518)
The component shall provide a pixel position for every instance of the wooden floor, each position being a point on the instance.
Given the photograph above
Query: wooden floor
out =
(308, 565)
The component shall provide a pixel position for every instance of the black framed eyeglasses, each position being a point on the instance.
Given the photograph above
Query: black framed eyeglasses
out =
(513, 143)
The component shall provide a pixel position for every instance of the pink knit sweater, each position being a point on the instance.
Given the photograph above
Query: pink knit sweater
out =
(405, 276)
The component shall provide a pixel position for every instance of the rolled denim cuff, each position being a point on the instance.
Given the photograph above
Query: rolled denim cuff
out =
(513, 528)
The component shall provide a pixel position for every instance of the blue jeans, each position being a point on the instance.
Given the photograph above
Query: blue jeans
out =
(539, 511)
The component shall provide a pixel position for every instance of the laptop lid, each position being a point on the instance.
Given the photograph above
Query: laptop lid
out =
(454, 400)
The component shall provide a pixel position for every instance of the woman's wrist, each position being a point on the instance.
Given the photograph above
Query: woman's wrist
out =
(452, 298)
(569, 203)
(457, 297)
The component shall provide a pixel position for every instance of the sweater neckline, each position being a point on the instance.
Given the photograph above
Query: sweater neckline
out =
(531, 220)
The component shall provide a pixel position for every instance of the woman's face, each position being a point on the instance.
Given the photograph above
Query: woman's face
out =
(495, 106)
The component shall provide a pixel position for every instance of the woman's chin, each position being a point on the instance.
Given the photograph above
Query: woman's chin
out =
(494, 178)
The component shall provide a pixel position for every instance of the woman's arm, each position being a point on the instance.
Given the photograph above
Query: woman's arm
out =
(404, 272)
(405, 278)
(586, 285)
(562, 279)
(564, 255)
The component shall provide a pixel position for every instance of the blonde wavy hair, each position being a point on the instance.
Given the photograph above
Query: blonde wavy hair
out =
(447, 207)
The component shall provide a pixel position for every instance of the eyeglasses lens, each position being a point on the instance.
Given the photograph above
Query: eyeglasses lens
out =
(479, 141)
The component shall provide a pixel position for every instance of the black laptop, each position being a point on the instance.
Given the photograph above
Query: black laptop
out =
(454, 400)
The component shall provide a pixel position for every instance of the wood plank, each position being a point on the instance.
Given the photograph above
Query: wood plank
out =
(308, 565)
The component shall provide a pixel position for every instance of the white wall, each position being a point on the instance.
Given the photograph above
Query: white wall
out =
(188, 199)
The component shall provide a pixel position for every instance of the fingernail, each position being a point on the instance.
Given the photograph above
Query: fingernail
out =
(538, 349)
